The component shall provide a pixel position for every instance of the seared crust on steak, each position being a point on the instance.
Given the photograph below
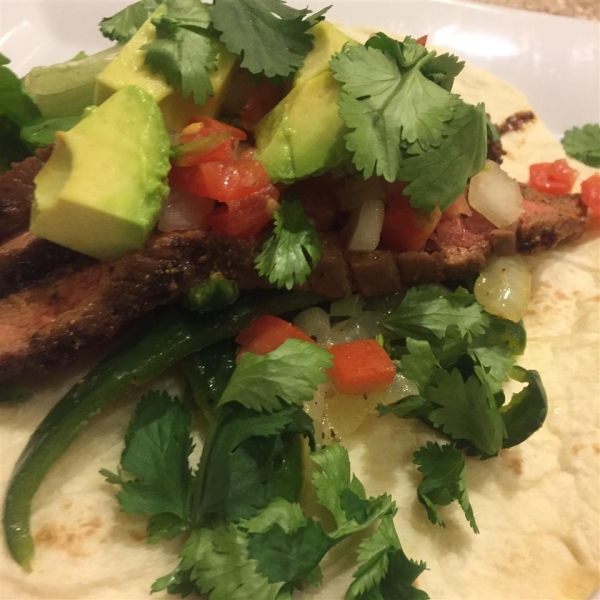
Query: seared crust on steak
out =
(27, 258)
(16, 194)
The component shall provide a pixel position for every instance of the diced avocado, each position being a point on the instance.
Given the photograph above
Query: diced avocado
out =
(129, 68)
(103, 187)
(303, 135)
(328, 40)
(65, 89)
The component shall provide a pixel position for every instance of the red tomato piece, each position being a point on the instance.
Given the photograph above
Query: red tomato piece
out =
(226, 139)
(228, 181)
(406, 228)
(422, 40)
(459, 207)
(553, 178)
(245, 218)
(361, 367)
(590, 193)
(267, 333)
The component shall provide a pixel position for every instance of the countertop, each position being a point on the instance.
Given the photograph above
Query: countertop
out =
(579, 9)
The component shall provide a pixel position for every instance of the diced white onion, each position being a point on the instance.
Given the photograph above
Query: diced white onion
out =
(315, 323)
(504, 287)
(347, 307)
(496, 195)
(184, 211)
(363, 327)
(399, 389)
(364, 228)
(356, 191)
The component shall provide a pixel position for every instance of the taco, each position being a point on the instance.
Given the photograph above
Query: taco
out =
(536, 503)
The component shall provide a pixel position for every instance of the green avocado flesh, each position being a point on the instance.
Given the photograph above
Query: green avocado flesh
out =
(304, 134)
(103, 187)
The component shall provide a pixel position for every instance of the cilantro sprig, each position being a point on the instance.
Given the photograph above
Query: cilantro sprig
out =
(405, 123)
(122, 26)
(271, 37)
(443, 470)
(583, 143)
(293, 249)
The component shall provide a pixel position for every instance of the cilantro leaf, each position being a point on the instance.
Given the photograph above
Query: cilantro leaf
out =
(335, 487)
(287, 375)
(219, 564)
(122, 26)
(157, 447)
(270, 36)
(439, 176)
(41, 131)
(246, 460)
(293, 250)
(443, 469)
(15, 103)
(496, 363)
(386, 572)
(443, 69)
(183, 51)
(465, 411)
(286, 556)
(429, 310)
(419, 364)
(583, 143)
(388, 103)
(527, 410)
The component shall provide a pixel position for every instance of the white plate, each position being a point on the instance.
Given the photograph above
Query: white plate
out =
(555, 61)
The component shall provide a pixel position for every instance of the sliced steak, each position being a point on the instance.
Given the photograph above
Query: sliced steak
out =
(549, 220)
(27, 258)
(44, 325)
(16, 194)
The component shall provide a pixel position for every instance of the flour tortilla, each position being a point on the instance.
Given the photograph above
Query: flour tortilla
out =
(537, 505)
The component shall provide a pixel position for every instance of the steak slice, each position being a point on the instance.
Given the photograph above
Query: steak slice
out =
(16, 194)
(27, 258)
(47, 323)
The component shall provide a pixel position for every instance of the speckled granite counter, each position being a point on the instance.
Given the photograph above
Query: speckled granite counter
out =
(579, 9)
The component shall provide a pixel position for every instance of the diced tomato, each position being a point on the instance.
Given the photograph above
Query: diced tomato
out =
(590, 193)
(225, 181)
(261, 102)
(422, 40)
(225, 141)
(243, 219)
(361, 367)
(459, 207)
(552, 178)
(406, 228)
(267, 333)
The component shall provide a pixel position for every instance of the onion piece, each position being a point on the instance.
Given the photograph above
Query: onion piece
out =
(356, 191)
(504, 287)
(364, 228)
(315, 323)
(183, 211)
(496, 195)
(351, 306)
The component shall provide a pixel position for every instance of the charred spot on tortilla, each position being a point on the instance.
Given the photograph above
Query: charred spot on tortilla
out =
(516, 122)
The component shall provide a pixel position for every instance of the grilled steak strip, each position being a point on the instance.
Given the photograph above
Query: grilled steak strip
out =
(26, 258)
(44, 325)
(16, 194)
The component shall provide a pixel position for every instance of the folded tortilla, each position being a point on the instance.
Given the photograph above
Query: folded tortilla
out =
(537, 505)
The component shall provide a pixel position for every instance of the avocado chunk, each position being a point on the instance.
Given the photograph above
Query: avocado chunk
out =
(102, 189)
(327, 41)
(304, 134)
(130, 68)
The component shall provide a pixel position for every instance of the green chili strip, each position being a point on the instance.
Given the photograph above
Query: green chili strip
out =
(173, 336)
